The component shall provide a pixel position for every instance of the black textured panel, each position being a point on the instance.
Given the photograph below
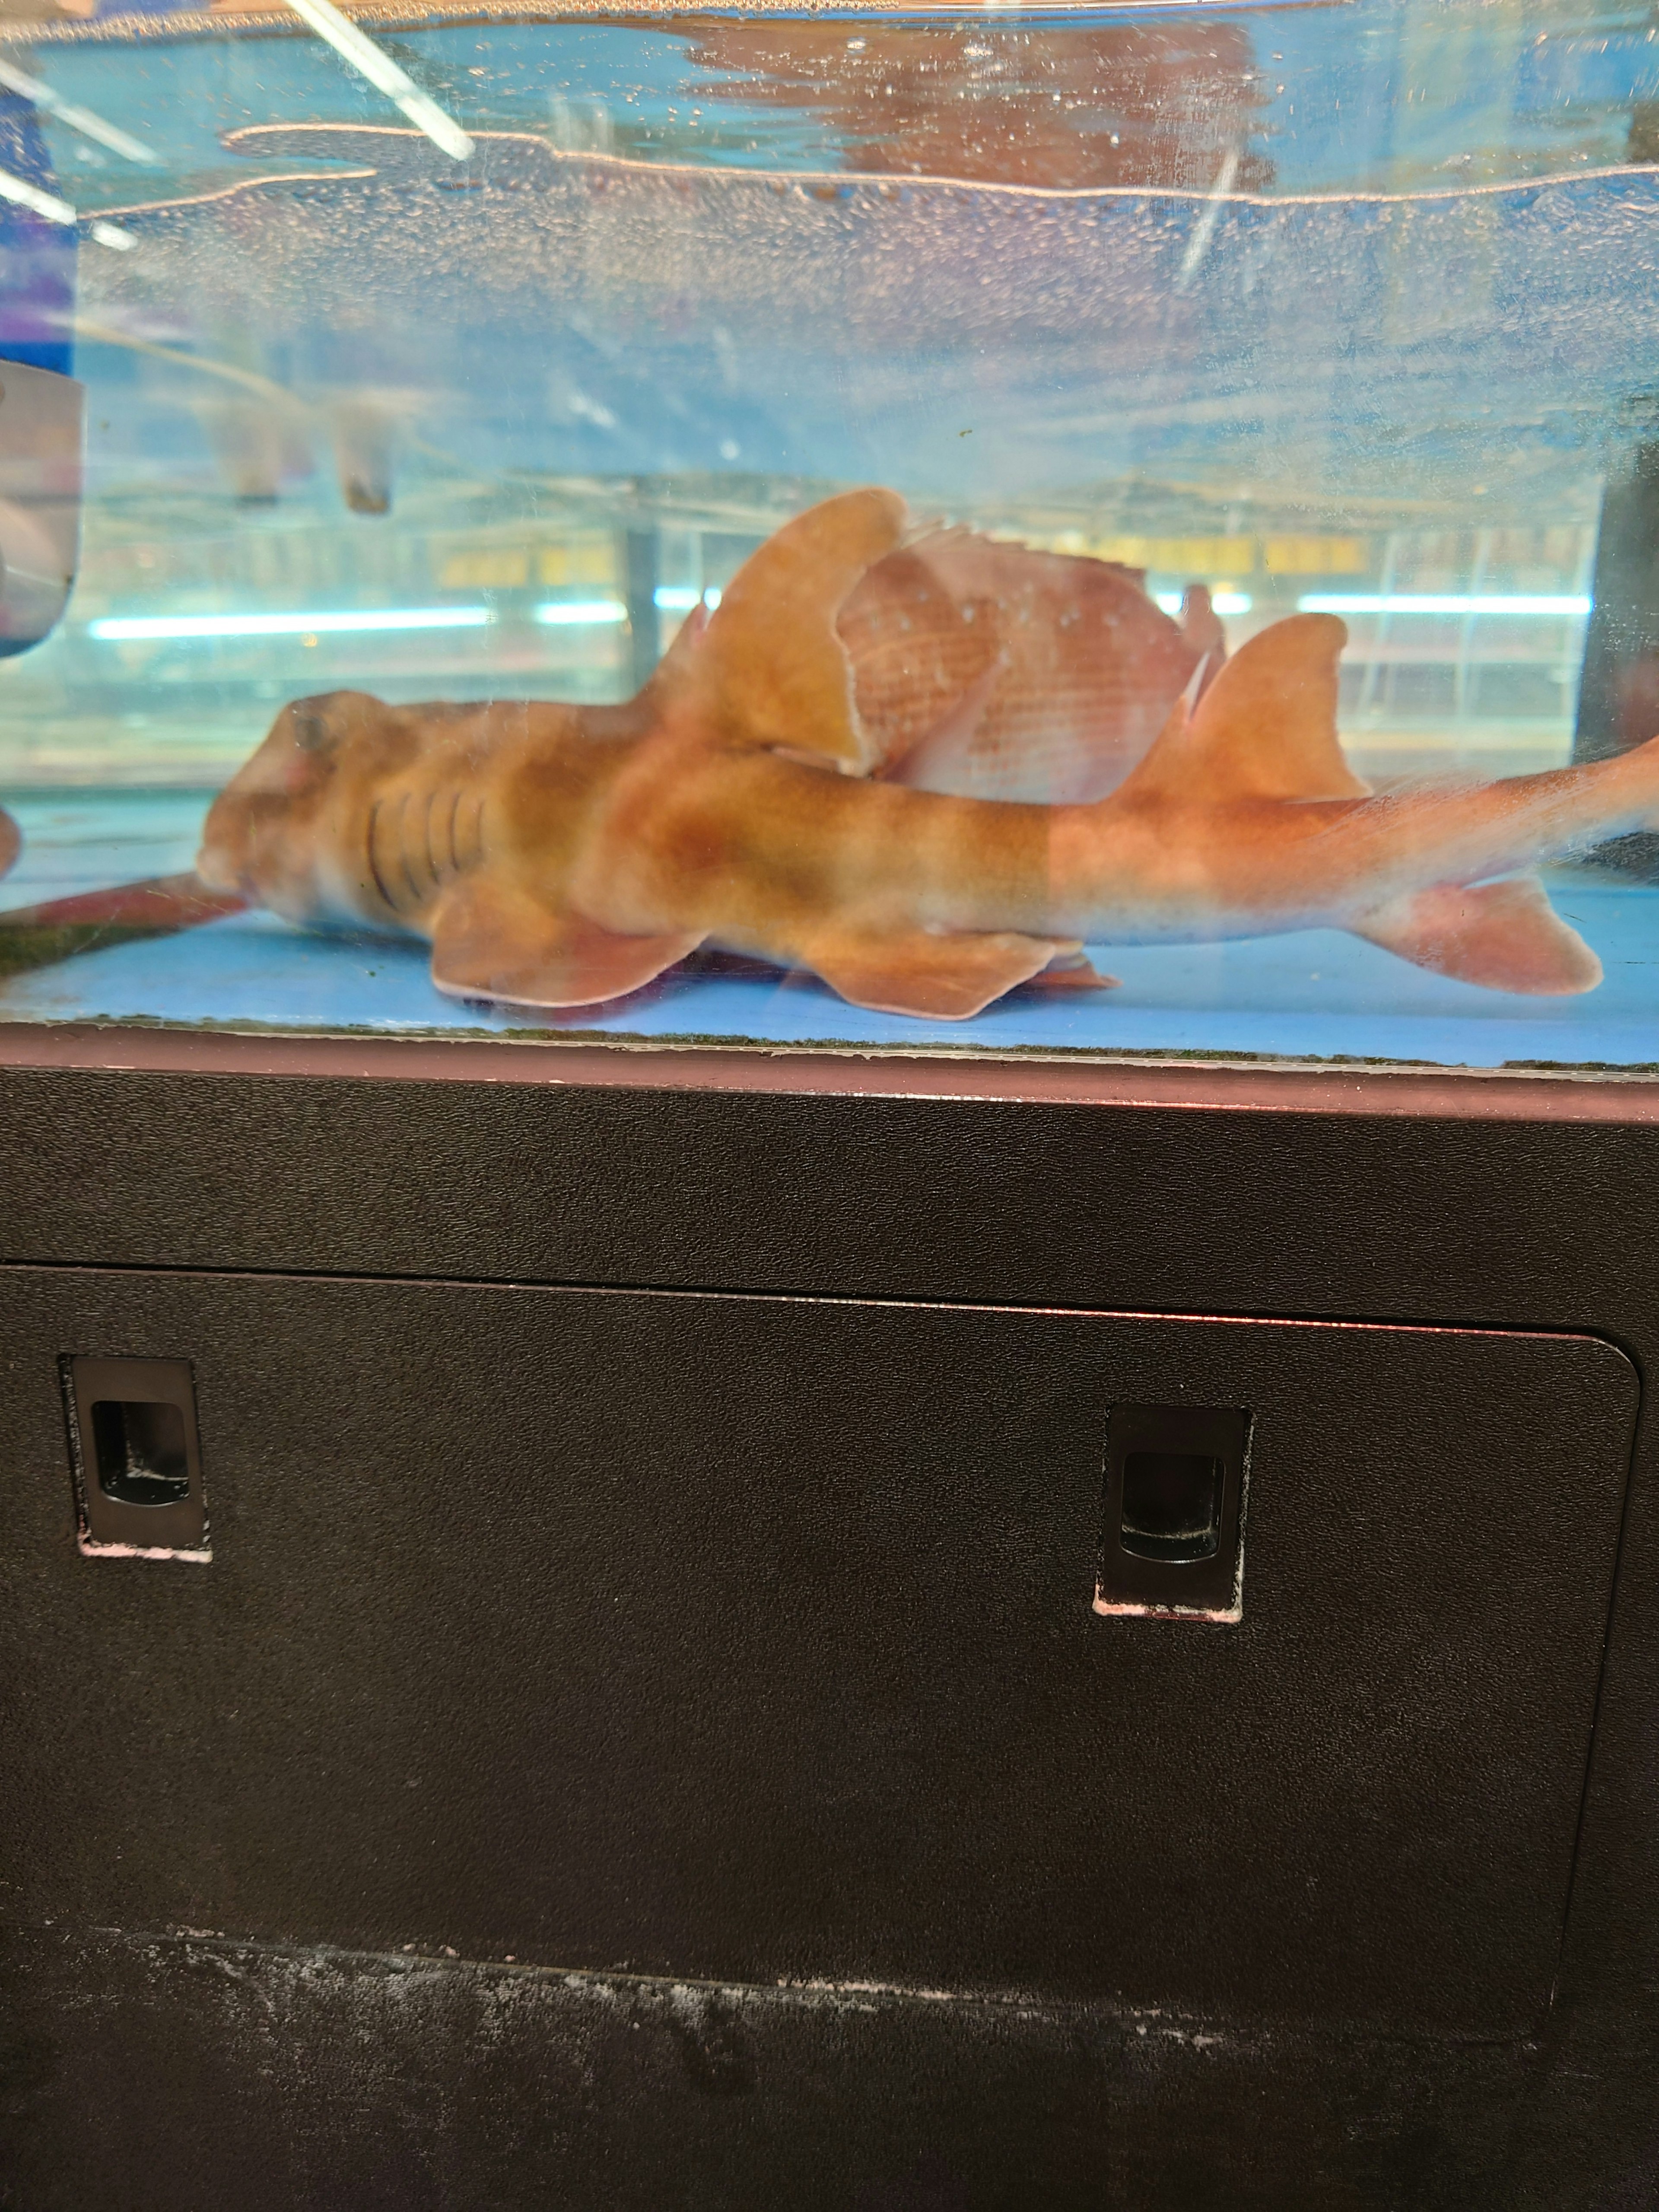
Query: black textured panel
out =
(753, 1638)
(178, 2075)
(1541, 1224)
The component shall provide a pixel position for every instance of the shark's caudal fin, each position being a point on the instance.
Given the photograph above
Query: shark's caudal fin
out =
(775, 671)
(1506, 935)
(11, 841)
(1265, 728)
(495, 941)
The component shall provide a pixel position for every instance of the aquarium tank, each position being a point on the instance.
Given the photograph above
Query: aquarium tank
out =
(1106, 531)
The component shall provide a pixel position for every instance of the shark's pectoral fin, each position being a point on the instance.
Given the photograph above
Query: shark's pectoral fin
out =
(1506, 935)
(949, 978)
(490, 941)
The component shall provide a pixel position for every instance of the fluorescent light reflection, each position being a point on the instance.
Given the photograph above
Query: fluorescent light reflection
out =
(22, 193)
(79, 119)
(574, 614)
(1224, 603)
(122, 628)
(680, 598)
(384, 73)
(1559, 603)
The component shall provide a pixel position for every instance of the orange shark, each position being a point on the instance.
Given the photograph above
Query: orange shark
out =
(11, 841)
(562, 856)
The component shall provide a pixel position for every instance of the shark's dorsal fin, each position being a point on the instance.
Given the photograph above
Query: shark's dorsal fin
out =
(1265, 728)
(775, 671)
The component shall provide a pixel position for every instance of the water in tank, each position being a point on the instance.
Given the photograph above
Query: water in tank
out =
(1099, 530)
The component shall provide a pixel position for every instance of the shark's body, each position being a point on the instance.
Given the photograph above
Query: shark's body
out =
(561, 856)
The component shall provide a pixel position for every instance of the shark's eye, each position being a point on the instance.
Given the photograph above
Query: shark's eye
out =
(309, 726)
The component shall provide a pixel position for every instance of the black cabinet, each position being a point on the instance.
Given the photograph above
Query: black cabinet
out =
(647, 1731)
(754, 1638)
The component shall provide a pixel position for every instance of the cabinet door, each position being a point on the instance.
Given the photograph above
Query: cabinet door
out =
(754, 1638)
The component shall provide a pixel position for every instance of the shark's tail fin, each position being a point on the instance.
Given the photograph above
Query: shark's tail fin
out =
(772, 666)
(11, 841)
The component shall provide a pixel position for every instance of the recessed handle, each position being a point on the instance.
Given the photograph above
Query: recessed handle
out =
(137, 1460)
(1171, 1544)
(1171, 1505)
(139, 1451)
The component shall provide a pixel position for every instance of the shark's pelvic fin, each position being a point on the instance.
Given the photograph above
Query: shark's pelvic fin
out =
(1264, 728)
(493, 941)
(948, 978)
(1506, 935)
(775, 669)
(1074, 971)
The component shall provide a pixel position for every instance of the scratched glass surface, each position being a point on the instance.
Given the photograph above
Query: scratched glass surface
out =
(1253, 316)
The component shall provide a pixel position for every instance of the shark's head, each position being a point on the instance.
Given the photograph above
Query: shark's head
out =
(275, 831)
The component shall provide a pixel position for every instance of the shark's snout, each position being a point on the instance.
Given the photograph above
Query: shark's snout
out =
(260, 837)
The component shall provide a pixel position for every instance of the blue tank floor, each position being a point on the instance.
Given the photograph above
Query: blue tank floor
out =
(1316, 994)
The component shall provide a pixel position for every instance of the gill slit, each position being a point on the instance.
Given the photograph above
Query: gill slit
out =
(431, 858)
(374, 857)
(403, 849)
(454, 849)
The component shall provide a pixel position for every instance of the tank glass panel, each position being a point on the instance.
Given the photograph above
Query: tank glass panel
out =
(1107, 532)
